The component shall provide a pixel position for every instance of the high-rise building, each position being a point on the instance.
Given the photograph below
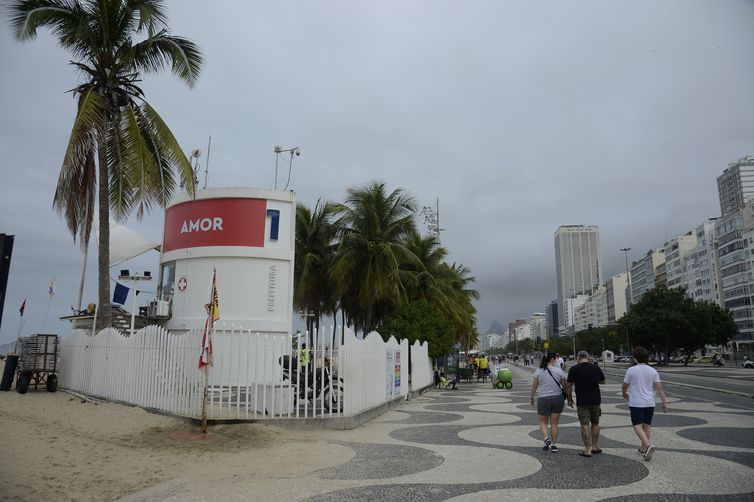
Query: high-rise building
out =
(700, 270)
(677, 250)
(736, 184)
(551, 311)
(735, 232)
(615, 289)
(578, 267)
(645, 272)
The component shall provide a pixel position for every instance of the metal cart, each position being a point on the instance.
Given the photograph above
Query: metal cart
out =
(37, 362)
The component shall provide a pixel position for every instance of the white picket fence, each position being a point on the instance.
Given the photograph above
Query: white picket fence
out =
(255, 375)
(422, 374)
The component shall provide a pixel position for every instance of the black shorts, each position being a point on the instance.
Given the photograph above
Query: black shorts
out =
(641, 415)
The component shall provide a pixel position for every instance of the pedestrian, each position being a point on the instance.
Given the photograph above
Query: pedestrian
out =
(639, 385)
(548, 384)
(587, 378)
(561, 362)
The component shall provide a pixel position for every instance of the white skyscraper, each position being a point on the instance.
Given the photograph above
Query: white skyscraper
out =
(577, 263)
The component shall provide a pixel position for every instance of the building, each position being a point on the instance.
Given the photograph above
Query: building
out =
(676, 251)
(700, 270)
(578, 268)
(735, 185)
(615, 296)
(593, 312)
(551, 312)
(644, 271)
(735, 233)
(571, 309)
(538, 325)
(512, 329)
(491, 341)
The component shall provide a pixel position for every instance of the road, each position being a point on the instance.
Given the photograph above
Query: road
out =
(737, 381)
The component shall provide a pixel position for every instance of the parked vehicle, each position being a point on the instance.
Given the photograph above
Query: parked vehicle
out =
(310, 384)
(747, 363)
(703, 360)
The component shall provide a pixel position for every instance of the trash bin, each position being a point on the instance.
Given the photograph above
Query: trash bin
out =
(10, 371)
(504, 378)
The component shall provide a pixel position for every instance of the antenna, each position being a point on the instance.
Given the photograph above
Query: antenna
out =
(206, 165)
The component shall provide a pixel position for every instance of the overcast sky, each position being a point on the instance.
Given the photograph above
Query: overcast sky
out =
(519, 115)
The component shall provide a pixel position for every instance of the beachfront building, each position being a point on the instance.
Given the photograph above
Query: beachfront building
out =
(700, 269)
(735, 185)
(676, 250)
(571, 310)
(491, 341)
(538, 325)
(551, 312)
(615, 294)
(578, 268)
(735, 233)
(644, 273)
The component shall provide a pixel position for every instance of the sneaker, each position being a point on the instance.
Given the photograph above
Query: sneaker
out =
(649, 453)
(641, 452)
(548, 442)
(554, 449)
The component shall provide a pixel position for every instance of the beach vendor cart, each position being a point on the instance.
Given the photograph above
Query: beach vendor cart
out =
(37, 362)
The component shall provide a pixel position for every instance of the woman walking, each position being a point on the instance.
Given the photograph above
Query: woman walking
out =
(548, 386)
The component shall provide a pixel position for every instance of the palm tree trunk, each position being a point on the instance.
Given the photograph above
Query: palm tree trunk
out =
(104, 317)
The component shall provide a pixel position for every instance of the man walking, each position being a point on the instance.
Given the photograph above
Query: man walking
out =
(639, 385)
(587, 378)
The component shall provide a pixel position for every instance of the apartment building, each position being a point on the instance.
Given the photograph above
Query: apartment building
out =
(616, 288)
(644, 271)
(578, 268)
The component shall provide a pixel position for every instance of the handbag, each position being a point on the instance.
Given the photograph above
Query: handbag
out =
(562, 391)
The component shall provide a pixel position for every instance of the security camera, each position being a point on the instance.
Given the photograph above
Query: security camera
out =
(297, 151)
(278, 149)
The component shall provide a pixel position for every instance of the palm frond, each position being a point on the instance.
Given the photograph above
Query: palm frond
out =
(161, 50)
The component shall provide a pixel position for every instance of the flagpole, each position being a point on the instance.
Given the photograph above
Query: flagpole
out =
(206, 376)
(44, 324)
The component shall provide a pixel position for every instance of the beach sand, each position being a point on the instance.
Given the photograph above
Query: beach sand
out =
(56, 447)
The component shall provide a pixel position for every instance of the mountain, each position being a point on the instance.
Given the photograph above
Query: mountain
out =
(496, 327)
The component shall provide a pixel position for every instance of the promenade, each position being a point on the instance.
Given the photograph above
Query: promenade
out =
(482, 444)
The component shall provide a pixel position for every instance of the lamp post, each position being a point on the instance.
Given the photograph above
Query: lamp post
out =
(278, 150)
(628, 295)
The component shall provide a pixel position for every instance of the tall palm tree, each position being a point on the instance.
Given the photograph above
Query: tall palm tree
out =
(315, 248)
(120, 150)
(373, 226)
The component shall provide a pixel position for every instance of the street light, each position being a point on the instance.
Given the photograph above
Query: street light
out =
(628, 295)
(278, 150)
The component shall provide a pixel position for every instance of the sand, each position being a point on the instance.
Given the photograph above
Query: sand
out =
(56, 447)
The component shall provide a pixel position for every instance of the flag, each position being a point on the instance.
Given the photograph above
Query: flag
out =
(23, 306)
(213, 307)
(52, 286)
(213, 314)
(120, 294)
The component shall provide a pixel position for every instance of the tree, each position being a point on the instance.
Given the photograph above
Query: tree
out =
(420, 321)
(315, 253)
(372, 228)
(120, 151)
(665, 320)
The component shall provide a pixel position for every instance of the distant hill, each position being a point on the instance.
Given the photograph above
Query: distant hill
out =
(496, 327)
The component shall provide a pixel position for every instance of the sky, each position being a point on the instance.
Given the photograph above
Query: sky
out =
(519, 116)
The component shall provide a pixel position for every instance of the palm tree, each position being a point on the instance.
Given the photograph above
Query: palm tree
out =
(315, 248)
(120, 150)
(373, 227)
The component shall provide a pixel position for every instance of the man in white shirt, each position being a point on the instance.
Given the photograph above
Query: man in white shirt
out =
(639, 385)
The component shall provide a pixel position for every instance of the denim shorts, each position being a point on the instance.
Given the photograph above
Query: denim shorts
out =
(548, 405)
(641, 415)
